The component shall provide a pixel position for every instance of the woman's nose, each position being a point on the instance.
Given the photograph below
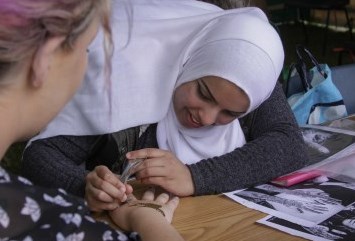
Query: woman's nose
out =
(209, 116)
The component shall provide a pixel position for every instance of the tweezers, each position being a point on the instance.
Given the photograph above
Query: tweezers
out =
(127, 172)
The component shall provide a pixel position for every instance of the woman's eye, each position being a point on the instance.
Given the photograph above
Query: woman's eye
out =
(232, 114)
(202, 92)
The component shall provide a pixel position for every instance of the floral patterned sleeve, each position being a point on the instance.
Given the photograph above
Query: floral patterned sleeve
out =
(29, 212)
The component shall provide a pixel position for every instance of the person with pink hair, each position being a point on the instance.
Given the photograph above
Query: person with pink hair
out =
(43, 58)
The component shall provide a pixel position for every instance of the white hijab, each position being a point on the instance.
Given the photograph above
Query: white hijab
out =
(187, 40)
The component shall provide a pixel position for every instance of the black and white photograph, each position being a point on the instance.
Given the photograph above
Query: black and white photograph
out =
(315, 232)
(324, 143)
(340, 226)
(308, 203)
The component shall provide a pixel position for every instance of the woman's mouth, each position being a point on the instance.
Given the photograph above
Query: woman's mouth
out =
(194, 123)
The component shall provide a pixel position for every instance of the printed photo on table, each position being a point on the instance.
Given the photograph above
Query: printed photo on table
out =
(340, 226)
(307, 203)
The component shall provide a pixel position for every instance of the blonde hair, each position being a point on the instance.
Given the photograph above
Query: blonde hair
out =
(26, 24)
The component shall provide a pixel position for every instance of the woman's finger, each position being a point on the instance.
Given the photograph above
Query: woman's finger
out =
(129, 189)
(99, 201)
(145, 153)
(108, 188)
(173, 203)
(149, 194)
(163, 198)
(105, 174)
(158, 181)
(98, 194)
(151, 167)
(131, 197)
(170, 207)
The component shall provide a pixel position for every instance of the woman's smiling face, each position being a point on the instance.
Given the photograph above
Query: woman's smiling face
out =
(207, 101)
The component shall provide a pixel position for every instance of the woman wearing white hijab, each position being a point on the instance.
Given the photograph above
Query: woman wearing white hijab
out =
(240, 57)
(157, 55)
(239, 46)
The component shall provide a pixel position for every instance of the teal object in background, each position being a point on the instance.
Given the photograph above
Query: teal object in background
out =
(321, 103)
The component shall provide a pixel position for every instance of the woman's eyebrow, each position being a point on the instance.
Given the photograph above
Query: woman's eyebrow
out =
(207, 89)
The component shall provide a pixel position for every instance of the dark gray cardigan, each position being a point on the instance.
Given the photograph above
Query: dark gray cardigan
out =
(274, 147)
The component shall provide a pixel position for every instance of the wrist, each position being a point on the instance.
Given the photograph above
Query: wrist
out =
(134, 218)
(191, 184)
(141, 216)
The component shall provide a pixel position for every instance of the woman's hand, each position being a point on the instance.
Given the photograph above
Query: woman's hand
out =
(159, 210)
(162, 168)
(104, 190)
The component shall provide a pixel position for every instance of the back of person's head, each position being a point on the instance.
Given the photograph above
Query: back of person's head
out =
(26, 24)
(228, 4)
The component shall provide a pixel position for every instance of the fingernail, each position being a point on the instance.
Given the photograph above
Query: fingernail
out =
(107, 175)
(122, 189)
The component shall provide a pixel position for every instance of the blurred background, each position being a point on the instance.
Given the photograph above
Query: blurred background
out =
(304, 22)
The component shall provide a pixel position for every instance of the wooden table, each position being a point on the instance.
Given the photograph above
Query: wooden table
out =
(217, 218)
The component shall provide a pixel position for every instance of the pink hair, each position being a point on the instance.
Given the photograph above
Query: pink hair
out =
(25, 24)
